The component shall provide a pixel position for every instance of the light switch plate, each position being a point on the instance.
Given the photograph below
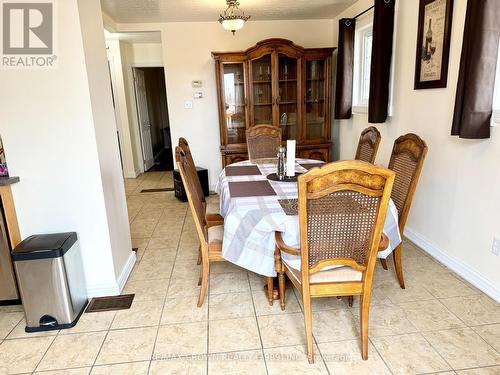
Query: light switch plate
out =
(188, 104)
(197, 95)
(196, 83)
(495, 249)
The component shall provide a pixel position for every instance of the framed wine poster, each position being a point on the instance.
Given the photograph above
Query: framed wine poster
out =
(433, 43)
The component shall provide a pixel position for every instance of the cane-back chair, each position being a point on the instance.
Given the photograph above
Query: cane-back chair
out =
(262, 141)
(342, 208)
(369, 141)
(407, 160)
(210, 237)
(211, 204)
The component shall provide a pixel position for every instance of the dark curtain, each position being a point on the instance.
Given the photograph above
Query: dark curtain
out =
(345, 69)
(380, 75)
(476, 80)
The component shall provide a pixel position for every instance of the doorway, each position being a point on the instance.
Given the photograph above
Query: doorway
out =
(153, 119)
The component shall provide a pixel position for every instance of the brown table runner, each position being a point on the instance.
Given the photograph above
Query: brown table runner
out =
(242, 170)
(250, 189)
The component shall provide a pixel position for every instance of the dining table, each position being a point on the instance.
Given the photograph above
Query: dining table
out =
(255, 207)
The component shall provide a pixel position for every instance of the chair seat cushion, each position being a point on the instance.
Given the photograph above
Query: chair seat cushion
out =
(338, 274)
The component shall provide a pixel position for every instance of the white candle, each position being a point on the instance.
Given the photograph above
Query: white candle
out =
(290, 158)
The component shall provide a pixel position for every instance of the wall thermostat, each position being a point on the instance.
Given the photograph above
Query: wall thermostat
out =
(196, 83)
(198, 95)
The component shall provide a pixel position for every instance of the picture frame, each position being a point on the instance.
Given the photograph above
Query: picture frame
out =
(433, 44)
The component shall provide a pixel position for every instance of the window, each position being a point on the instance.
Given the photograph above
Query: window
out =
(495, 119)
(362, 63)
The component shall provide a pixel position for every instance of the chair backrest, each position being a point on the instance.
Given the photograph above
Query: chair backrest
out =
(194, 199)
(183, 144)
(369, 141)
(407, 159)
(262, 141)
(342, 209)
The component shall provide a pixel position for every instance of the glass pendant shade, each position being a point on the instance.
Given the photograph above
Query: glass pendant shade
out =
(233, 18)
(233, 25)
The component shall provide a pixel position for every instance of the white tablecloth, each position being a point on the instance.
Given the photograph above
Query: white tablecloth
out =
(250, 222)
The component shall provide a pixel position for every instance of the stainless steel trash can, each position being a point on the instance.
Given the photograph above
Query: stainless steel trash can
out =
(50, 275)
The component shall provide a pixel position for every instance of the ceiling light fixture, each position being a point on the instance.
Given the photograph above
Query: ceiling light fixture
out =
(233, 17)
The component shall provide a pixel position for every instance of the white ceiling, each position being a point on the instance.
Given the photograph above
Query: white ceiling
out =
(144, 11)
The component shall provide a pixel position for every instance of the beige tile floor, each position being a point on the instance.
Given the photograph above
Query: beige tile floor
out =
(439, 324)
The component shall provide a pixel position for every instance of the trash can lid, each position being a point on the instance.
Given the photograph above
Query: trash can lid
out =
(44, 246)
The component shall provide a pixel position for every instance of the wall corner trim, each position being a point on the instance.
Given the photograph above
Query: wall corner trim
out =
(114, 288)
(456, 265)
(102, 290)
(127, 269)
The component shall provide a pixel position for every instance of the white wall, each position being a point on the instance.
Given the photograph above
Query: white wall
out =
(144, 53)
(187, 51)
(117, 72)
(106, 137)
(454, 213)
(49, 126)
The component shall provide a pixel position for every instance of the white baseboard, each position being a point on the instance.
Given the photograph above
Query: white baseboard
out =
(127, 269)
(113, 289)
(131, 174)
(456, 265)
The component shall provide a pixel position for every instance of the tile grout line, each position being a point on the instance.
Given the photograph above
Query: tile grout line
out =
(207, 301)
(168, 286)
(421, 333)
(258, 326)
(110, 329)
(103, 341)
(302, 310)
(45, 353)
(437, 351)
(13, 328)
(379, 354)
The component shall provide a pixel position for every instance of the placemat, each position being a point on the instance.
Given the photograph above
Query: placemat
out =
(242, 170)
(250, 189)
(309, 166)
(290, 206)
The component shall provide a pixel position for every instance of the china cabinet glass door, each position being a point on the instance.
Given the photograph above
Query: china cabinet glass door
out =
(234, 101)
(315, 92)
(262, 90)
(287, 99)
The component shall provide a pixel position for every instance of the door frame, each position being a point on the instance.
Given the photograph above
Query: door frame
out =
(137, 131)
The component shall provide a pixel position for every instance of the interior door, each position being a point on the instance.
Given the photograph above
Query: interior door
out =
(143, 116)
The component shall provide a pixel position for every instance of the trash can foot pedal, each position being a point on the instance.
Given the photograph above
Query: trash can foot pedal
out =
(48, 323)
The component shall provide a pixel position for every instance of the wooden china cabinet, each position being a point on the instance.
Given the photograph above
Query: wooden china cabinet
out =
(279, 83)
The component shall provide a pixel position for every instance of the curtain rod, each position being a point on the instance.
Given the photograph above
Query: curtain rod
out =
(363, 12)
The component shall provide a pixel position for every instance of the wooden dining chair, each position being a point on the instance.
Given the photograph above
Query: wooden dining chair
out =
(210, 237)
(211, 204)
(342, 208)
(369, 141)
(407, 160)
(262, 141)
